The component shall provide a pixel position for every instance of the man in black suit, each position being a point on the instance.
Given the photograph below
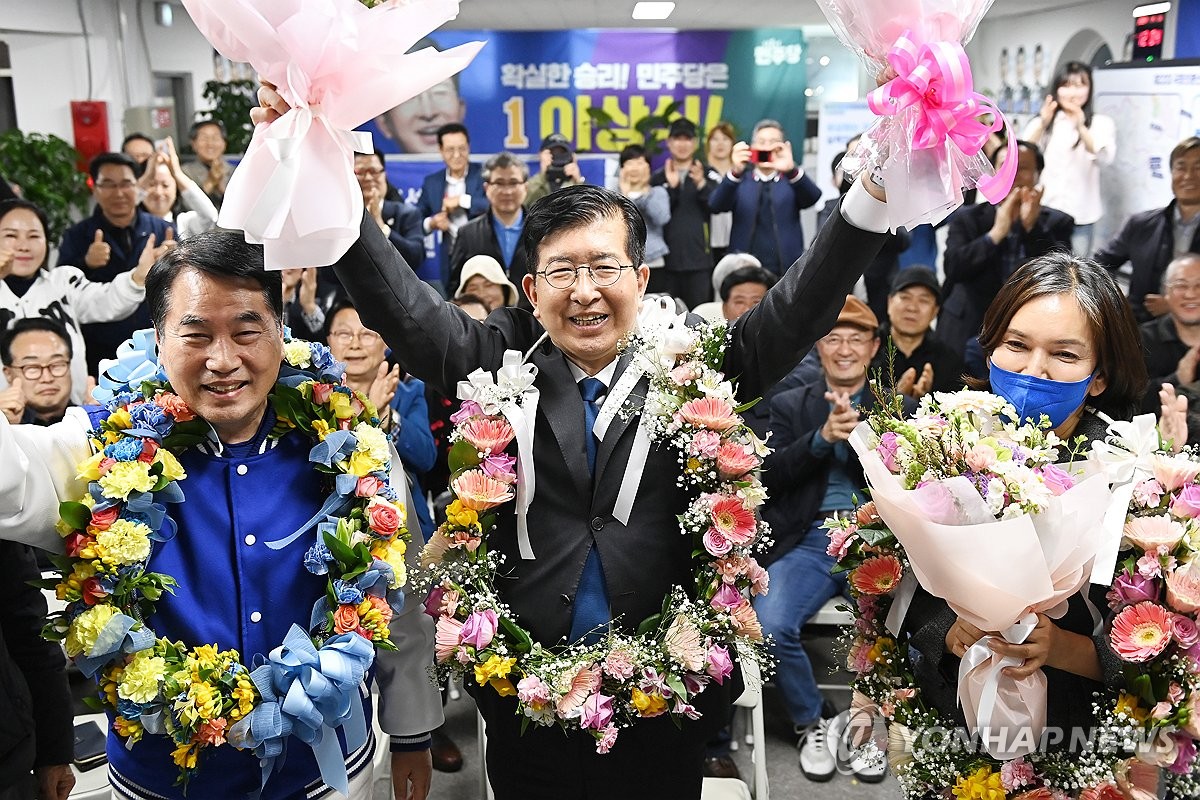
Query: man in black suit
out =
(988, 243)
(498, 233)
(400, 221)
(1151, 239)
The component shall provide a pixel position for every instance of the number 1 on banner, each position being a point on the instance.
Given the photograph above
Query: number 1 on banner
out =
(514, 109)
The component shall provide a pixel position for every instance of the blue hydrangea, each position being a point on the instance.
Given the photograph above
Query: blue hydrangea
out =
(124, 450)
(347, 593)
(317, 559)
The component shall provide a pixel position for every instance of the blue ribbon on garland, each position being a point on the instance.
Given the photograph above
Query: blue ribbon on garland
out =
(136, 362)
(118, 636)
(308, 693)
(337, 446)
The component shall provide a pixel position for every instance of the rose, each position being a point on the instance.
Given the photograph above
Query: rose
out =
(433, 602)
(717, 543)
(383, 517)
(368, 486)
(718, 663)
(597, 712)
(468, 409)
(75, 543)
(1133, 588)
(1184, 630)
(1057, 480)
(322, 392)
(102, 519)
(480, 628)
(92, 591)
(501, 467)
(345, 619)
(684, 373)
(1187, 503)
(889, 444)
(726, 597)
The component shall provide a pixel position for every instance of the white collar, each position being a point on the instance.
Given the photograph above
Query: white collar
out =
(605, 375)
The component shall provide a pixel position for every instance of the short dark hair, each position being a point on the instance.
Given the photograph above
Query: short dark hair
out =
(1114, 331)
(747, 275)
(631, 152)
(200, 123)
(1179, 150)
(1039, 159)
(504, 160)
(221, 253)
(18, 203)
(104, 159)
(469, 299)
(135, 137)
(31, 324)
(576, 206)
(452, 127)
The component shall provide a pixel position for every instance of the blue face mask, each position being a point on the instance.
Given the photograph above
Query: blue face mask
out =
(1032, 396)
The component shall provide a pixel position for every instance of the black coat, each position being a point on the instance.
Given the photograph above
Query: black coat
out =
(686, 233)
(36, 720)
(975, 270)
(476, 238)
(1147, 241)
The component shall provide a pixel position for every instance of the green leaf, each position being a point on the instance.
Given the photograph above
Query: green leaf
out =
(77, 515)
(340, 550)
(94, 703)
(462, 456)
(649, 624)
(874, 536)
(521, 640)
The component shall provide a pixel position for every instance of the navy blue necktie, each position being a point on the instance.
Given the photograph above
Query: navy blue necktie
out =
(591, 598)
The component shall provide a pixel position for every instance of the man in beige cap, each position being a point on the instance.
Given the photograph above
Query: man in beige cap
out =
(483, 277)
(812, 475)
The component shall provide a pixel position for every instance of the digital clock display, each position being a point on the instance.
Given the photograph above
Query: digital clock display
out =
(1148, 36)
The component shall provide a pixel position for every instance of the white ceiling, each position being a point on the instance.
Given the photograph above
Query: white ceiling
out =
(688, 15)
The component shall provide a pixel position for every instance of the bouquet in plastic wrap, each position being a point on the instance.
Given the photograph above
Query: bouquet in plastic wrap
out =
(338, 64)
(989, 523)
(928, 141)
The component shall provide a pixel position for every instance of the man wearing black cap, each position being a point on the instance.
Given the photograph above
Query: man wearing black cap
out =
(687, 272)
(920, 361)
(559, 169)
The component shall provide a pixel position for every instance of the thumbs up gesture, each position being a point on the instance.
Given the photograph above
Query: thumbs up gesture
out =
(12, 401)
(98, 252)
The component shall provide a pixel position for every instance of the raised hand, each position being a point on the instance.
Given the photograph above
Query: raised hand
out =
(1006, 213)
(696, 173)
(1172, 418)
(308, 290)
(98, 252)
(383, 387)
(1048, 109)
(671, 173)
(916, 388)
(1031, 207)
(12, 401)
(843, 418)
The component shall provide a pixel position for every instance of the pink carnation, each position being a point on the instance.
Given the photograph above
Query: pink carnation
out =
(684, 373)
(619, 664)
(608, 737)
(705, 444)
(1149, 566)
(1017, 773)
(1183, 589)
(1148, 493)
(731, 568)
(735, 460)
(980, 457)
(532, 691)
(709, 412)
(759, 578)
(1141, 632)
(839, 541)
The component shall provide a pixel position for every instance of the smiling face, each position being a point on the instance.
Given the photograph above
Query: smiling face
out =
(1185, 177)
(46, 394)
(209, 143)
(1049, 337)
(1182, 290)
(586, 321)
(21, 232)
(116, 193)
(489, 292)
(361, 349)
(720, 146)
(160, 192)
(220, 345)
(414, 123)
(845, 353)
(1076, 91)
(912, 310)
(506, 189)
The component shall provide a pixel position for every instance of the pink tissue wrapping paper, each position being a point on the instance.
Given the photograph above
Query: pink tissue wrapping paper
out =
(338, 64)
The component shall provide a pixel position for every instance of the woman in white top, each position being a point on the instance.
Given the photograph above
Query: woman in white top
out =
(167, 186)
(719, 152)
(1076, 143)
(29, 289)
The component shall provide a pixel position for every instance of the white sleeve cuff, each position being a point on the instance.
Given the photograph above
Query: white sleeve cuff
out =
(862, 210)
(464, 202)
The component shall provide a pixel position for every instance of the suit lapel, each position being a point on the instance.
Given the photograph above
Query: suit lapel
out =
(562, 406)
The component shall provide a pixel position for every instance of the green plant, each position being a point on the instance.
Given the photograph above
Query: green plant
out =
(231, 104)
(46, 168)
(652, 127)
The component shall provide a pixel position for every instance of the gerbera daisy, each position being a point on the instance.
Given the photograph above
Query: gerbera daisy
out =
(478, 492)
(1141, 632)
(733, 520)
(709, 412)
(877, 575)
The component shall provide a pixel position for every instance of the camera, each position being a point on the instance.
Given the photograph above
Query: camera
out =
(758, 156)
(561, 154)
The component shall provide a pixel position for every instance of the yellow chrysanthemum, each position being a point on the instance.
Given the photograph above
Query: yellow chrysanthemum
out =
(126, 477)
(460, 516)
(648, 705)
(172, 470)
(982, 784)
(81, 636)
(141, 678)
(124, 542)
(298, 354)
(372, 453)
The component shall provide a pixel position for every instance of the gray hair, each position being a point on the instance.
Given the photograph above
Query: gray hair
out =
(504, 161)
(768, 123)
(1174, 266)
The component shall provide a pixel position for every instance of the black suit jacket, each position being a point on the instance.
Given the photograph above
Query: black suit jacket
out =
(438, 343)
(407, 234)
(478, 237)
(1147, 241)
(975, 270)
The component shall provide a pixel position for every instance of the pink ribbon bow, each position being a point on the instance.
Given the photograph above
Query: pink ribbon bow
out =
(935, 79)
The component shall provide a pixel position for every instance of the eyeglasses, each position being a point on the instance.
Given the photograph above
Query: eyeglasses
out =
(33, 372)
(365, 338)
(369, 173)
(563, 274)
(854, 341)
(1183, 287)
(505, 184)
(112, 186)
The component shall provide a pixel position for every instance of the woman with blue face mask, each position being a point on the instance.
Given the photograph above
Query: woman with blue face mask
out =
(1060, 340)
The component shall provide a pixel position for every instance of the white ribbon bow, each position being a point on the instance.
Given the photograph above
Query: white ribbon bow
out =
(1126, 456)
(980, 655)
(512, 394)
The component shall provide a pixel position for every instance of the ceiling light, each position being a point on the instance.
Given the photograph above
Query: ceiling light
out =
(1152, 8)
(653, 10)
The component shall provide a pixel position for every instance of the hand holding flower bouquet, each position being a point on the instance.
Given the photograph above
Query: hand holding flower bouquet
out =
(338, 63)
(927, 143)
(989, 523)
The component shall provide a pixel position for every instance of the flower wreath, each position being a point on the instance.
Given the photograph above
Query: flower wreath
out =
(1154, 722)
(199, 696)
(673, 655)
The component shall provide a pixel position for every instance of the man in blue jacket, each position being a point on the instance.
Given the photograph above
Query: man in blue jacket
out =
(766, 203)
(450, 197)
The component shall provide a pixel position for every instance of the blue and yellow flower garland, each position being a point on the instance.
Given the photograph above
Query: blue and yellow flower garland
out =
(200, 696)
